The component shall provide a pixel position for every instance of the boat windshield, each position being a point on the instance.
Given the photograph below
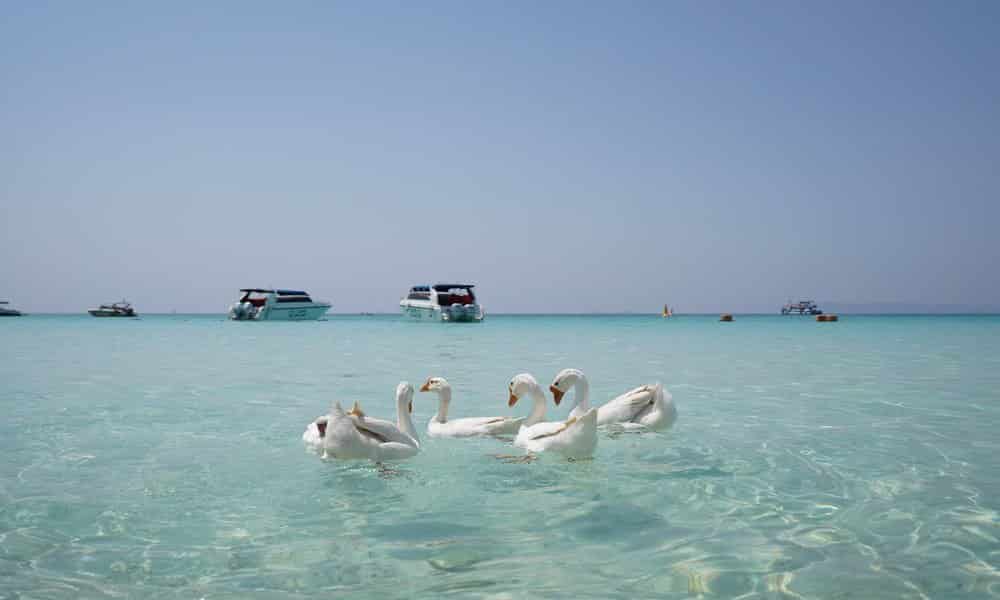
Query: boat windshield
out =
(455, 295)
(254, 297)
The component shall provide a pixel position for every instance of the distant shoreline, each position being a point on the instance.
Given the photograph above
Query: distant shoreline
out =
(571, 314)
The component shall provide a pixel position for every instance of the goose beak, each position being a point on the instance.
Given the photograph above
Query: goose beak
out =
(512, 400)
(557, 394)
(426, 387)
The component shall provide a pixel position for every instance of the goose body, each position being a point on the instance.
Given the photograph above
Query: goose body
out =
(441, 426)
(646, 407)
(316, 431)
(574, 438)
(474, 426)
(356, 436)
(344, 440)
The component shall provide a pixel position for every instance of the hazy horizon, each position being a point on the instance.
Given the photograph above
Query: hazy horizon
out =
(565, 156)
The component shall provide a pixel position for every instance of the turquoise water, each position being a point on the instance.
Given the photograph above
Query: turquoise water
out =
(161, 458)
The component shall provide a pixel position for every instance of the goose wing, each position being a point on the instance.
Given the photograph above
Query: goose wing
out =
(630, 406)
(380, 429)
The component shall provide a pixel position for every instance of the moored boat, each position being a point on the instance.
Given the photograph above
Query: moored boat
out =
(115, 309)
(257, 304)
(802, 307)
(448, 302)
(8, 312)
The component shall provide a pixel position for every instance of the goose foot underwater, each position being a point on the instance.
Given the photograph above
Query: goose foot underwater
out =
(515, 459)
(387, 471)
(615, 431)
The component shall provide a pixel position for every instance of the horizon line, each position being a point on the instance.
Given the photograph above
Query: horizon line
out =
(571, 314)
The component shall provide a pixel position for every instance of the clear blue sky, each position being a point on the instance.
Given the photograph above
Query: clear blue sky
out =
(566, 156)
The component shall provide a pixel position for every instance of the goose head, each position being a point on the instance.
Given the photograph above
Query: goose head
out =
(521, 385)
(435, 384)
(564, 382)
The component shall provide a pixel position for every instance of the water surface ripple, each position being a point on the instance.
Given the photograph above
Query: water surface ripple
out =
(160, 458)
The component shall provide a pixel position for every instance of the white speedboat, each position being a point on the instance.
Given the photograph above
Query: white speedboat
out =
(8, 312)
(451, 302)
(276, 305)
(115, 309)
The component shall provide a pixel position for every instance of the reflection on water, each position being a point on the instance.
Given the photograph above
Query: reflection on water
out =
(162, 459)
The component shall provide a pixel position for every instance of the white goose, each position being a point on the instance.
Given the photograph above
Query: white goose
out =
(576, 437)
(356, 436)
(645, 407)
(441, 426)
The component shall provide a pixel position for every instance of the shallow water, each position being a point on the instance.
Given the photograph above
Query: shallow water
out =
(161, 458)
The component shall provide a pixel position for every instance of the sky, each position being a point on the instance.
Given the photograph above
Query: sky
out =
(564, 156)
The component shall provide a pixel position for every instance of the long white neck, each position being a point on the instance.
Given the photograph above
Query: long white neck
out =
(581, 393)
(444, 400)
(538, 410)
(403, 420)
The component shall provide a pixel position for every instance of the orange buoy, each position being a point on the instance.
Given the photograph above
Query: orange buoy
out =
(726, 317)
(826, 318)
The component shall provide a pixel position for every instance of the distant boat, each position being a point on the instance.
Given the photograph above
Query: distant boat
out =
(258, 304)
(802, 307)
(8, 312)
(447, 302)
(116, 309)
(667, 311)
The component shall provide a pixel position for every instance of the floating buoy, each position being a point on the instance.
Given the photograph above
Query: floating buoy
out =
(826, 318)
(726, 317)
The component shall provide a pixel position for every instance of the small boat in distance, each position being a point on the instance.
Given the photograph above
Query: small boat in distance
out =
(448, 302)
(258, 304)
(667, 312)
(802, 307)
(8, 312)
(116, 309)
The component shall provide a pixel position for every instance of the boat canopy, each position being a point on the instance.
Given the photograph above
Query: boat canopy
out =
(279, 292)
(444, 287)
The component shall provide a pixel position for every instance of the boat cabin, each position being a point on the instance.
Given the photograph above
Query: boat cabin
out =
(802, 307)
(452, 293)
(445, 294)
(258, 297)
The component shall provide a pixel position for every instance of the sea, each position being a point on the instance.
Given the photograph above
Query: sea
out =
(161, 457)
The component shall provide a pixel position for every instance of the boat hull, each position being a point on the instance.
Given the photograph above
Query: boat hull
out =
(472, 314)
(110, 313)
(292, 312)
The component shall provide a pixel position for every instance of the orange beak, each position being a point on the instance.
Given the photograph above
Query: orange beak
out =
(426, 387)
(557, 394)
(513, 400)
